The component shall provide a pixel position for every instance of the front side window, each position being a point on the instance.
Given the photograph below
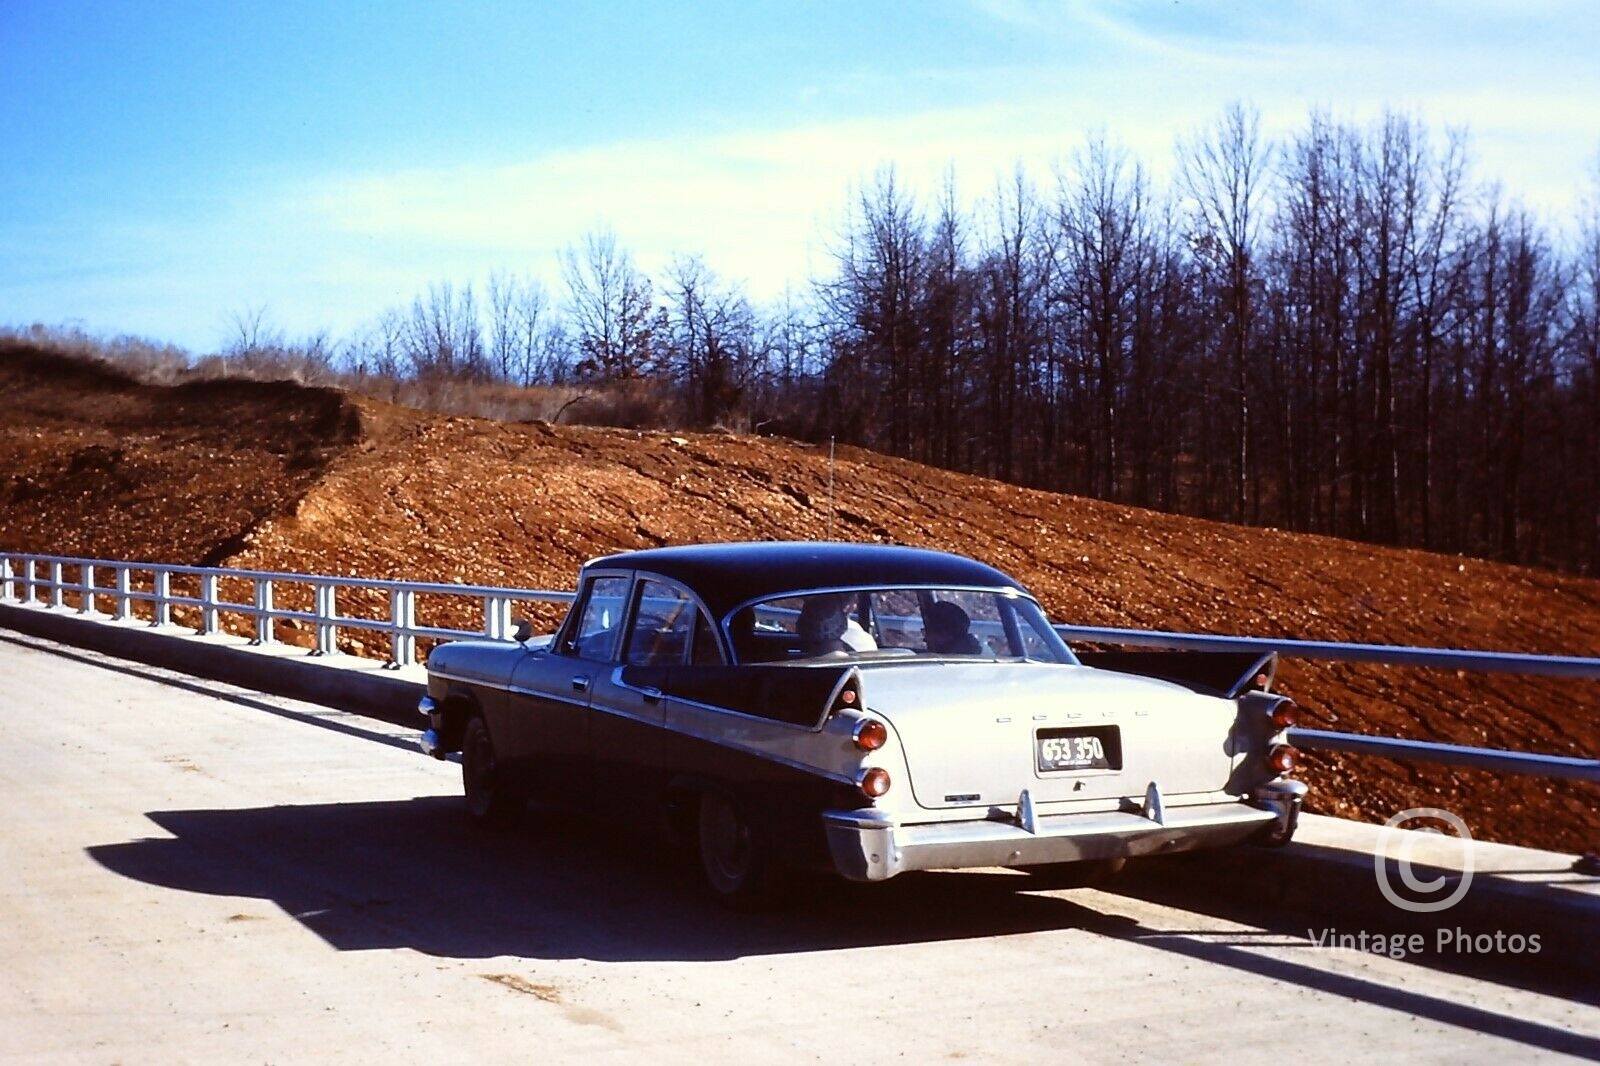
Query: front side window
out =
(662, 622)
(598, 618)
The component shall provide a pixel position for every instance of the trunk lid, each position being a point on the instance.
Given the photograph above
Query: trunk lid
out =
(971, 732)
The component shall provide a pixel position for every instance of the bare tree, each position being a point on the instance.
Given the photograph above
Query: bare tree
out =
(1223, 173)
(610, 306)
(1102, 223)
(711, 340)
(873, 299)
(379, 349)
(443, 339)
(524, 342)
(251, 333)
(1018, 374)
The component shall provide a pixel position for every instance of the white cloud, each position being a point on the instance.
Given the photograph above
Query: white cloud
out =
(763, 205)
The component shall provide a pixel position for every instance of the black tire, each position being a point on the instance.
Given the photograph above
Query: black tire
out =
(487, 800)
(734, 858)
(1082, 874)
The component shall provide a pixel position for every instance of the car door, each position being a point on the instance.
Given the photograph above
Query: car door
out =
(551, 692)
(628, 708)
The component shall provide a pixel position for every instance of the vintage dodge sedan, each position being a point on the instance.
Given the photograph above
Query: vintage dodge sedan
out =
(866, 709)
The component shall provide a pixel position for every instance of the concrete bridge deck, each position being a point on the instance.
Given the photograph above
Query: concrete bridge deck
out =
(199, 872)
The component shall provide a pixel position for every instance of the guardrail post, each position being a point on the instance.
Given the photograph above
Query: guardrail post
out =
(85, 589)
(162, 587)
(208, 604)
(124, 587)
(263, 611)
(325, 611)
(497, 617)
(403, 616)
(29, 592)
(7, 584)
(55, 584)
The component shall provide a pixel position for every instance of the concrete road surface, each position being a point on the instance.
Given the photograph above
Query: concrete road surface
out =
(194, 873)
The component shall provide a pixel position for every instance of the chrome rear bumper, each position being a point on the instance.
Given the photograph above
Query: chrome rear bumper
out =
(866, 848)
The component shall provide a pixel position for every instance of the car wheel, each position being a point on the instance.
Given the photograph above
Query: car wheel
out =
(487, 801)
(1082, 874)
(733, 856)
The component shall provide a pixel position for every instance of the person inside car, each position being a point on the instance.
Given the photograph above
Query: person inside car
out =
(821, 626)
(947, 630)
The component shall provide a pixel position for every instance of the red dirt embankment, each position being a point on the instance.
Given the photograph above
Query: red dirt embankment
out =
(281, 477)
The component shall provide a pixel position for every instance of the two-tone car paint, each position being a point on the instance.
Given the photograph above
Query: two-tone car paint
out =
(572, 720)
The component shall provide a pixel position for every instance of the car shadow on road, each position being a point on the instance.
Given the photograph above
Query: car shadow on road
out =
(414, 874)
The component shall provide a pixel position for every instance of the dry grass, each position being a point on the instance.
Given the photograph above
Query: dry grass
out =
(647, 403)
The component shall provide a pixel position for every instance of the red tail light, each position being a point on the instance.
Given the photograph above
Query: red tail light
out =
(873, 781)
(1285, 714)
(847, 698)
(1282, 758)
(870, 734)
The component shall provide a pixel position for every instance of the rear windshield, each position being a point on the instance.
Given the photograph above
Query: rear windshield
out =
(896, 623)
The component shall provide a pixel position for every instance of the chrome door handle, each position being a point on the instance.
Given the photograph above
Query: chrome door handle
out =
(651, 694)
(580, 683)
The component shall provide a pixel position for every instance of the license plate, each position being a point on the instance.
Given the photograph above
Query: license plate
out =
(1096, 747)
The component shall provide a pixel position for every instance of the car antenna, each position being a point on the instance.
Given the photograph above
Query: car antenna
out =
(830, 488)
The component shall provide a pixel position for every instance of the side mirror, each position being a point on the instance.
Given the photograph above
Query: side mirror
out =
(521, 631)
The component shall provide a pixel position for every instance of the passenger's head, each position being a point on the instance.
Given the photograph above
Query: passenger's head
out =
(947, 628)
(821, 625)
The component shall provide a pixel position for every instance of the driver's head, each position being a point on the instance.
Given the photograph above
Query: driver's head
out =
(945, 623)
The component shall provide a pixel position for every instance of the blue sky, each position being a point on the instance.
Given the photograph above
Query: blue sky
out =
(168, 165)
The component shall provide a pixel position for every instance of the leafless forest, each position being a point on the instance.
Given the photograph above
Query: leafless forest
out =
(1346, 331)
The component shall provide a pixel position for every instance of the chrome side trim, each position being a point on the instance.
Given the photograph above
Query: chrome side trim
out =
(465, 679)
(514, 690)
(732, 745)
(658, 723)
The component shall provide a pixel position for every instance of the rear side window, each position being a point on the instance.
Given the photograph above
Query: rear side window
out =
(707, 652)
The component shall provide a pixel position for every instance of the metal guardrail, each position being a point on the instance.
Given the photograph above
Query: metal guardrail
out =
(41, 579)
(21, 579)
(1500, 761)
(1506, 762)
(1388, 654)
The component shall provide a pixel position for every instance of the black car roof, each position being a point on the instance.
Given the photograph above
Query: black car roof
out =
(728, 575)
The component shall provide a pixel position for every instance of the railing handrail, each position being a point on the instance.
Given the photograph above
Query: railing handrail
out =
(288, 577)
(1571, 666)
(401, 627)
(1569, 767)
(1495, 759)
